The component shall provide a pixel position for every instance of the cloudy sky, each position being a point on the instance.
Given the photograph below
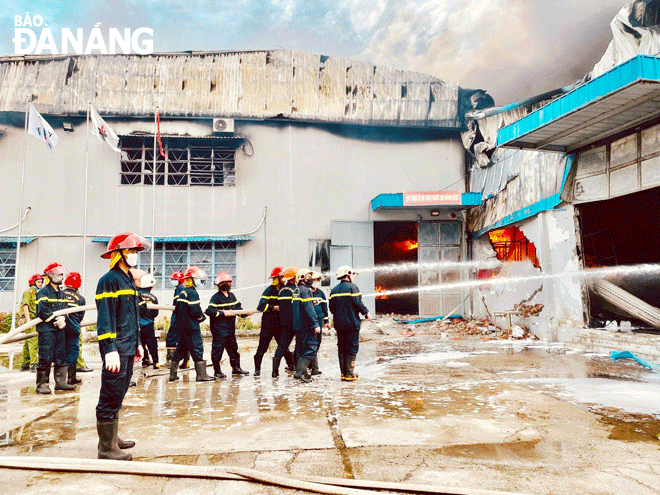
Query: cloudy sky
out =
(512, 48)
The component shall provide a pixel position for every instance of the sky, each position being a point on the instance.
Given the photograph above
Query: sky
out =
(514, 49)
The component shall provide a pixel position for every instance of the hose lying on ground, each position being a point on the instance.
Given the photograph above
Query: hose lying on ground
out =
(331, 486)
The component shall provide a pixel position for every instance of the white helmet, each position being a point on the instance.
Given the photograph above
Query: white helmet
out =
(147, 281)
(300, 274)
(344, 270)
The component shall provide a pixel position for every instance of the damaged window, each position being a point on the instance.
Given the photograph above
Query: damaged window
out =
(170, 257)
(194, 162)
(510, 244)
(319, 257)
(7, 266)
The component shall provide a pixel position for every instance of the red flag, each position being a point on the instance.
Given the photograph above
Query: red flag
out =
(160, 143)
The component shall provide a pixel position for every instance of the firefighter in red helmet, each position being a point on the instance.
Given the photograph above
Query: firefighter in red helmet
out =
(172, 337)
(118, 332)
(51, 331)
(72, 284)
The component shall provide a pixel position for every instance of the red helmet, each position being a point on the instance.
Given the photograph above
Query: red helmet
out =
(222, 277)
(278, 271)
(125, 241)
(35, 277)
(73, 280)
(54, 269)
(194, 272)
(177, 276)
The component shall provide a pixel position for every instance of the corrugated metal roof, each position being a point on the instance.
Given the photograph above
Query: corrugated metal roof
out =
(618, 100)
(222, 238)
(248, 85)
(12, 240)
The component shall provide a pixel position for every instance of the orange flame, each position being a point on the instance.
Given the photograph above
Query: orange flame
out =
(410, 245)
(381, 289)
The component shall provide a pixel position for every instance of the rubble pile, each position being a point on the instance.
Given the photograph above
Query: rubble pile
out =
(530, 309)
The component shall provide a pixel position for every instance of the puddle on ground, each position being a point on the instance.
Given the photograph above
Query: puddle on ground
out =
(631, 428)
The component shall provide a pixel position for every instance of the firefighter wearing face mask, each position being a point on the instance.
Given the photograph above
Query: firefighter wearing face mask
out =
(223, 327)
(306, 324)
(172, 338)
(51, 331)
(29, 309)
(117, 305)
(147, 318)
(72, 283)
(285, 300)
(321, 306)
(188, 316)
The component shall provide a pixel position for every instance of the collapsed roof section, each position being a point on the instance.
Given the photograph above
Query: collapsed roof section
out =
(249, 84)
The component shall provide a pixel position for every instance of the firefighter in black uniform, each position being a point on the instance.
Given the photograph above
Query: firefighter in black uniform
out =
(346, 306)
(172, 337)
(118, 334)
(147, 317)
(321, 306)
(72, 283)
(188, 317)
(285, 299)
(51, 331)
(305, 323)
(270, 320)
(223, 327)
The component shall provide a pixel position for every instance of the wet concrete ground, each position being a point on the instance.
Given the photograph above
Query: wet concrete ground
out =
(499, 415)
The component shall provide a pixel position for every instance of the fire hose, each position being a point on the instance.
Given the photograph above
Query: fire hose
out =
(331, 486)
(14, 336)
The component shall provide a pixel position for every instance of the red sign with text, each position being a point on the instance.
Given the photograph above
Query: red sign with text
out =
(427, 198)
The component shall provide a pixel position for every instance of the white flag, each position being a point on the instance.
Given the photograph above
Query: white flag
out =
(103, 131)
(40, 129)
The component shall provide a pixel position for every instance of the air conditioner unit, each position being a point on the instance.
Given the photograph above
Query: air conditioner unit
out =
(223, 125)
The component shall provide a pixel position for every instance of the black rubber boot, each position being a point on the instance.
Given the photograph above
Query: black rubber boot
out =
(200, 369)
(236, 369)
(122, 444)
(72, 375)
(217, 372)
(342, 365)
(351, 376)
(257, 365)
(173, 369)
(288, 359)
(60, 378)
(42, 382)
(301, 371)
(276, 367)
(314, 365)
(108, 448)
(168, 359)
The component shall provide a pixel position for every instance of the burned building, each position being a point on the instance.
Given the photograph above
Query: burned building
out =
(269, 157)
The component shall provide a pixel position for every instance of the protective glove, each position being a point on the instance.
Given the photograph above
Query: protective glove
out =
(140, 352)
(112, 363)
(59, 322)
(317, 330)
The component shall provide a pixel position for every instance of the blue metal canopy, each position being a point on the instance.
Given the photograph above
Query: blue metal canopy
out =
(620, 99)
(12, 240)
(239, 239)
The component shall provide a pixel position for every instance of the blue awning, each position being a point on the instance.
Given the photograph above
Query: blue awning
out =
(238, 239)
(11, 241)
(616, 101)
(395, 202)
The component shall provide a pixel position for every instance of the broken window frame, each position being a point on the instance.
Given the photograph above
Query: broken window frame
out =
(319, 258)
(187, 162)
(7, 266)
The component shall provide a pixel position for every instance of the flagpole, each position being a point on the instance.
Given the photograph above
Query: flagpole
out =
(20, 219)
(84, 267)
(153, 198)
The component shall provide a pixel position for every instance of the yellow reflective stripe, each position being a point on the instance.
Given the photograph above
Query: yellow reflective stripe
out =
(269, 297)
(143, 302)
(108, 336)
(123, 292)
(285, 298)
(266, 308)
(52, 300)
(345, 294)
(223, 305)
(303, 300)
(189, 302)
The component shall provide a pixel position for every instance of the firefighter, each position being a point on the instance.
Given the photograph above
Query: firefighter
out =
(72, 294)
(189, 315)
(321, 306)
(305, 323)
(51, 331)
(117, 305)
(346, 306)
(29, 309)
(172, 338)
(270, 320)
(223, 327)
(284, 300)
(147, 317)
